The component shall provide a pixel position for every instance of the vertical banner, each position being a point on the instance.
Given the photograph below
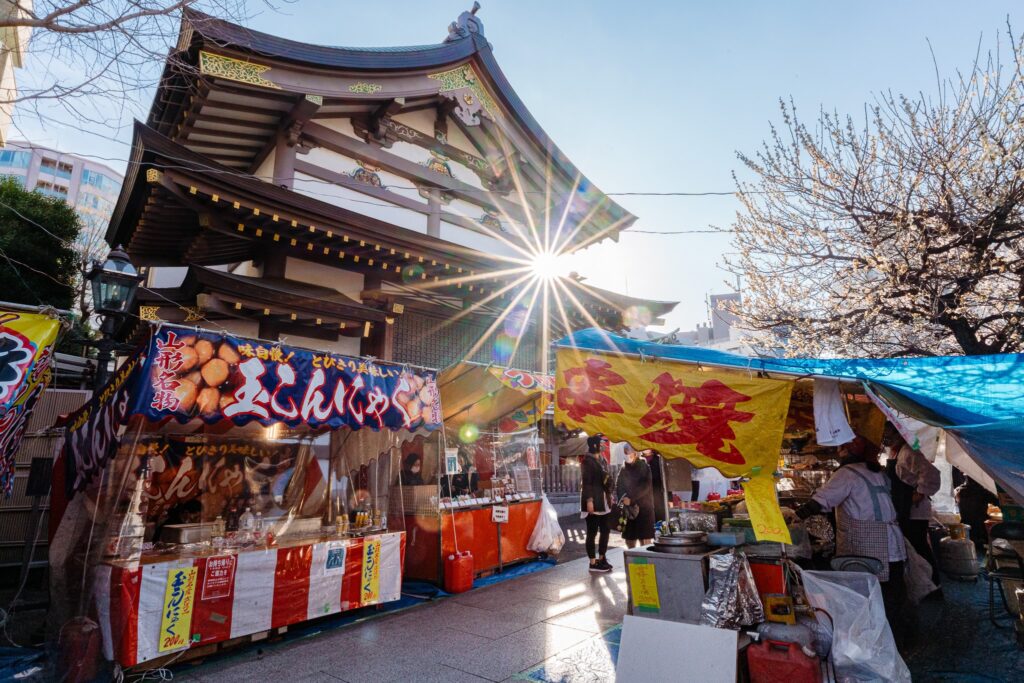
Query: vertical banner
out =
(370, 592)
(176, 619)
(26, 341)
(763, 507)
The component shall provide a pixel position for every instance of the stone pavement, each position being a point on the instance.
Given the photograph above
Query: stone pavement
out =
(559, 624)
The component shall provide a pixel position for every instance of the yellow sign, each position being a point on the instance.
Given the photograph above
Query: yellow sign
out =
(26, 341)
(763, 507)
(643, 585)
(713, 418)
(370, 592)
(176, 620)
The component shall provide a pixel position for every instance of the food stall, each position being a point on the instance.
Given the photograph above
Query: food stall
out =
(482, 493)
(775, 425)
(223, 488)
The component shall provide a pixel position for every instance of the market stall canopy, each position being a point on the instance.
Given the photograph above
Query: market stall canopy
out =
(979, 399)
(477, 394)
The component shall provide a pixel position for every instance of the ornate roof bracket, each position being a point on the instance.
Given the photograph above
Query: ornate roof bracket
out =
(376, 131)
(462, 86)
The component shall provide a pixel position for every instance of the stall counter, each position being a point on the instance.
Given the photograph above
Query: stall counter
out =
(474, 531)
(240, 593)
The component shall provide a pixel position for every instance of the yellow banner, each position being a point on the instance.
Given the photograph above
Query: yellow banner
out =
(26, 341)
(370, 592)
(713, 418)
(724, 419)
(176, 620)
(763, 508)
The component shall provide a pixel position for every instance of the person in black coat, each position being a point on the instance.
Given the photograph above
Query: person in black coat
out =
(634, 487)
(653, 458)
(596, 503)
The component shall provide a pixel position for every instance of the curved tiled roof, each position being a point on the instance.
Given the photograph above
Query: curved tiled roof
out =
(222, 32)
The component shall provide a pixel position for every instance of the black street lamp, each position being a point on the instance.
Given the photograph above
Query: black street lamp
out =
(114, 282)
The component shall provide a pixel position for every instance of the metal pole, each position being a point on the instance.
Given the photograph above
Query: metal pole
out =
(105, 346)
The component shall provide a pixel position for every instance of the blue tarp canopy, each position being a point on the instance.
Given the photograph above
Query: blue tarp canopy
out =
(980, 399)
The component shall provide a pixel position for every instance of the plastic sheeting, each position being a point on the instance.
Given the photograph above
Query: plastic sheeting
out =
(863, 648)
(977, 398)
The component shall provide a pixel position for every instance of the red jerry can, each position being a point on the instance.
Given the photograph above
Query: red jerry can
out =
(458, 572)
(772, 661)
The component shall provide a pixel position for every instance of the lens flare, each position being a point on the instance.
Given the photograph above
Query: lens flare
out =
(469, 433)
(546, 265)
(637, 316)
(503, 346)
(413, 273)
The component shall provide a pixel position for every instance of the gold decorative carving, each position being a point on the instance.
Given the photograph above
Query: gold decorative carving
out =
(364, 88)
(318, 100)
(465, 78)
(149, 313)
(235, 70)
(193, 313)
(152, 175)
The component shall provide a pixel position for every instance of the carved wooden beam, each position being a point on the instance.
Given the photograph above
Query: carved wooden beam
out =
(289, 130)
(375, 131)
(389, 130)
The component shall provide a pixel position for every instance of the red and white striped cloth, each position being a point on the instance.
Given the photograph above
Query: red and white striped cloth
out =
(270, 589)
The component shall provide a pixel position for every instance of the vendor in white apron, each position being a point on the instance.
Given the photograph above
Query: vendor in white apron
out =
(866, 523)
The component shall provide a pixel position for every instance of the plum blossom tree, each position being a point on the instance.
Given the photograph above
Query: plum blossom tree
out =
(900, 235)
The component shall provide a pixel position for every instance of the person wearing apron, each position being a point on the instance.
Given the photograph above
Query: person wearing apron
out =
(866, 523)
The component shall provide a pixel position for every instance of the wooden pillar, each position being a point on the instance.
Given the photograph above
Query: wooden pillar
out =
(269, 330)
(284, 161)
(275, 262)
(434, 217)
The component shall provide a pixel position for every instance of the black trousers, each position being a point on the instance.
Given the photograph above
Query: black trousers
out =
(894, 594)
(916, 531)
(595, 524)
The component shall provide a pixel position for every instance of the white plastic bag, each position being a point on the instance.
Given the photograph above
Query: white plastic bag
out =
(547, 536)
(917, 576)
(863, 648)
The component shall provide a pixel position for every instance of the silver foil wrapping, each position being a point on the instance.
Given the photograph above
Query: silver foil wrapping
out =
(731, 600)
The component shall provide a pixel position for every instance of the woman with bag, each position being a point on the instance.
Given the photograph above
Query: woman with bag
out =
(636, 500)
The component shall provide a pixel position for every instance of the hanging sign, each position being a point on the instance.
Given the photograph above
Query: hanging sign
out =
(217, 377)
(763, 508)
(176, 619)
(26, 341)
(370, 585)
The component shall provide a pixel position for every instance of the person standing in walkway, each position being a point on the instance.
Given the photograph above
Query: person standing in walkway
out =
(654, 461)
(596, 503)
(866, 523)
(923, 481)
(635, 492)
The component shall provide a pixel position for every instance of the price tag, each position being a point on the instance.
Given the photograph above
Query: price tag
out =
(499, 514)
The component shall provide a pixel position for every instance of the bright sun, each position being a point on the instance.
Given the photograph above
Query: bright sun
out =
(546, 265)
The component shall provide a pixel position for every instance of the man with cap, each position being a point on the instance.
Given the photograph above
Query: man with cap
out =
(596, 503)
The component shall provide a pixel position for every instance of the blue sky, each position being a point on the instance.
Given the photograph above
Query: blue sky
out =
(657, 95)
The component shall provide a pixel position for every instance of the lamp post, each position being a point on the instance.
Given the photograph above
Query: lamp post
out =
(114, 282)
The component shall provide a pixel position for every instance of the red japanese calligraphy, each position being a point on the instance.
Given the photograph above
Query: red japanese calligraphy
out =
(702, 416)
(582, 394)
